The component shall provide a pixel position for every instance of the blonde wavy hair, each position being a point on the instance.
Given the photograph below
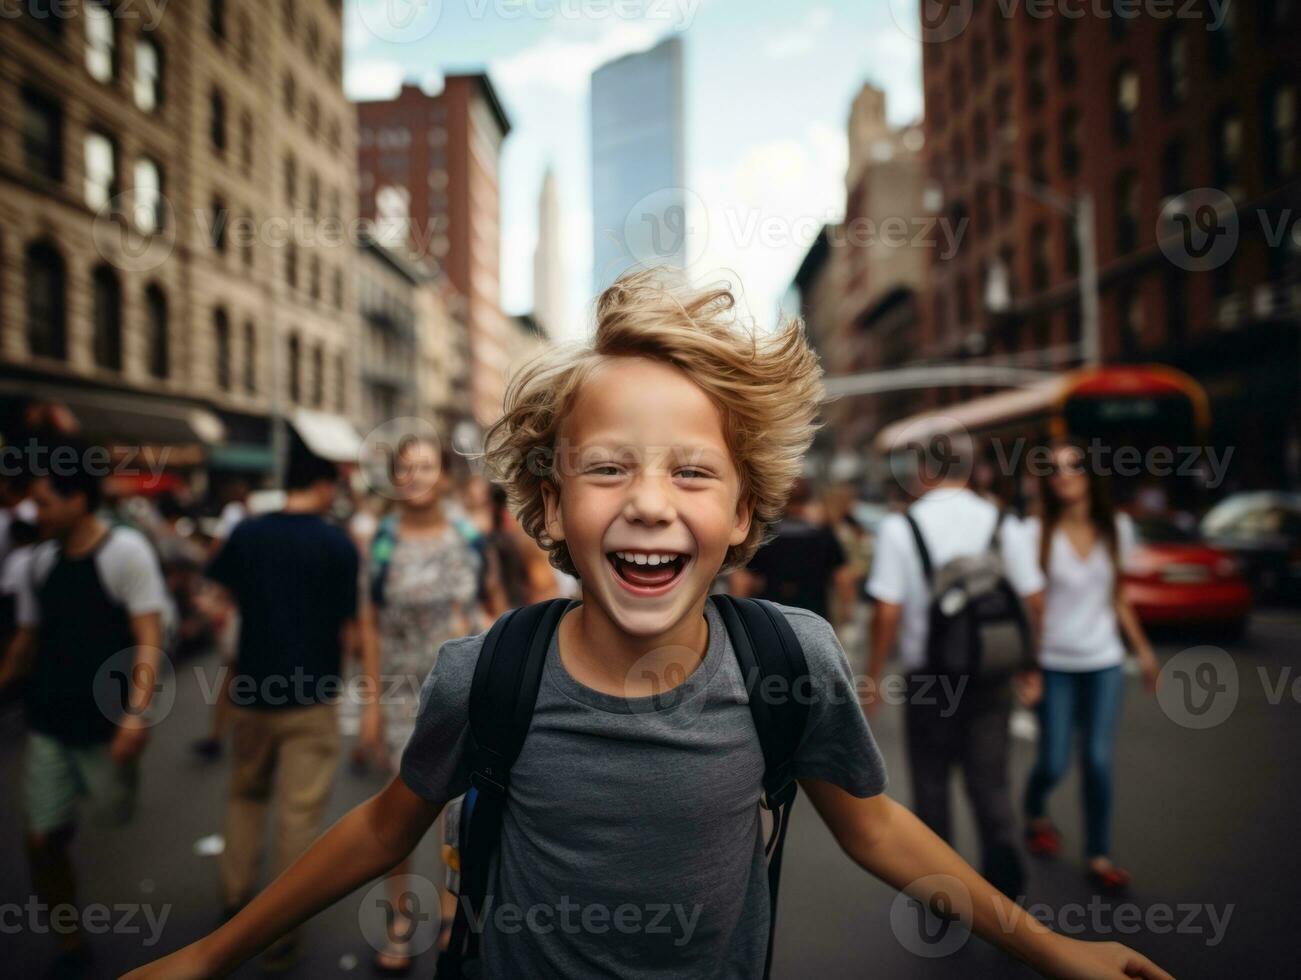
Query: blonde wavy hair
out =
(766, 386)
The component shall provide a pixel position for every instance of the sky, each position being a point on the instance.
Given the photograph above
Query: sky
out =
(769, 85)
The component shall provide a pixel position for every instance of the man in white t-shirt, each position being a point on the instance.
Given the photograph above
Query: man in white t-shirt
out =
(949, 726)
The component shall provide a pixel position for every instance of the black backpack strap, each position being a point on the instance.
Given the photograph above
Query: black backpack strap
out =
(502, 697)
(766, 646)
(994, 539)
(927, 568)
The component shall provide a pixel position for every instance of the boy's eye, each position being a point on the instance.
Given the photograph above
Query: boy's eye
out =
(604, 469)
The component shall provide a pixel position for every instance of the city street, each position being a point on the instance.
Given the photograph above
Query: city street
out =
(1199, 818)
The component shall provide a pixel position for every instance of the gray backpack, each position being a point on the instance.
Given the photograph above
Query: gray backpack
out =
(978, 624)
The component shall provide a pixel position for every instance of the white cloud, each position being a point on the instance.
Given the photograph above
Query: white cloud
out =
(802, 39)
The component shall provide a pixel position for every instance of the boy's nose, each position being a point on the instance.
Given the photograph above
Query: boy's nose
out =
(649, 503)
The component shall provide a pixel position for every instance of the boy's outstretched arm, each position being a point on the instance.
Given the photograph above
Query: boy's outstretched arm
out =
(886, 839)
(369, 840)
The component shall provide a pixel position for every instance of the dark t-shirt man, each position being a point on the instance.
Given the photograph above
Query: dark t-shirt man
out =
(294, 578)
(798, 564)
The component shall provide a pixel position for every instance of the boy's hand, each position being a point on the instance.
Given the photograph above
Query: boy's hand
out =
(1073, 959)
(187, 963)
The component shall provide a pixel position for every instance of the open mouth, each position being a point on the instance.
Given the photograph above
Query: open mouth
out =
(647, 572)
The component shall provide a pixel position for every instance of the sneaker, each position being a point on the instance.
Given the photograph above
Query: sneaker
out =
(1043, 841)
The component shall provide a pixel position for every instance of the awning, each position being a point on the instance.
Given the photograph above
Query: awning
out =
(329, 436)
(972, 415)
(115, 417)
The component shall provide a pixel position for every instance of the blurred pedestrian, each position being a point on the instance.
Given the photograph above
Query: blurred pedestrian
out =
(92, 592)
(802, 563)
(1082, 544)
(424, 585)
(294, 579)
(966, 728)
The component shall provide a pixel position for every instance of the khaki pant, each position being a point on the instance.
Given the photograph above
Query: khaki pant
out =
(291, 753)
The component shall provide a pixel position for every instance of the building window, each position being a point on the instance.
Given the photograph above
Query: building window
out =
(341, 384)
(148, 196)
(217, 19)
(101, 170)
(287, 15)
(1176, 306)
(217, 121)
(42, 135)
(217, 229)
(314, 278)
(978, 61)
(291, 265)
(1173, 181)
(1034, 74)
(313, 116)
(1006, 201)
(1040, 260)
(1070, 142)
(313, 194)
(246, 243)
(318, 376)
(1129, 315)
(1227, 154)
(290, 94)
(246, 142)
(221, 345)
(1280, 133)
(1125, 95)
(47, 326)
(250, 357)
(1126, 193)
(1002, 40)
(1038, 152)
(107, 342)
(148, 86)
(338, 289)
(312, 40)
(245, 42)
(1174, 67)
(101, 41)
(957, 90)
(1071, 241)
(1224, 42)
(159, 337)
(291, 180)
(1067, 66)
(294, 356)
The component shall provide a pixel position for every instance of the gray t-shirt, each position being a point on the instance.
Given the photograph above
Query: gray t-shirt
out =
(632, 844)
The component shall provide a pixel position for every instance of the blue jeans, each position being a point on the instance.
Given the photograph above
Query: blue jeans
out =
(1090, 701)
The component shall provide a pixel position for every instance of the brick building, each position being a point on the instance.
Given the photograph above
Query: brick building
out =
(428, 174)
(172, 203)
(1133, 111)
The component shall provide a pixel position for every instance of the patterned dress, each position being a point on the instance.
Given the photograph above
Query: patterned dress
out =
(429, 594)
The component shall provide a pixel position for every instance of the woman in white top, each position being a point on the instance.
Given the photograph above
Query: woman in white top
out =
(1082, 545)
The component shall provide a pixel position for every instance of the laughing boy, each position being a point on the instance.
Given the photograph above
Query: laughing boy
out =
(645, 463)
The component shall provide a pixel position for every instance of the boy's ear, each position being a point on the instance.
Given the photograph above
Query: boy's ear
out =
(552, 523)
(741, 523)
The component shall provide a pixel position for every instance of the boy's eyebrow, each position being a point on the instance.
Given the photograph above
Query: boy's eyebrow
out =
(682, 451)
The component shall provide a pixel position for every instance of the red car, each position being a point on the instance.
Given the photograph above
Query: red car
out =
(1174, 578)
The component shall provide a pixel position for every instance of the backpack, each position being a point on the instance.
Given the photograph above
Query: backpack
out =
(502, 697)
(978, 625)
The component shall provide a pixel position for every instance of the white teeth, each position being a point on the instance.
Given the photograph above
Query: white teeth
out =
(640, 558)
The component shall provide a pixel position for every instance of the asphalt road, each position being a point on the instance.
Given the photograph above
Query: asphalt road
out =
(1206, 819)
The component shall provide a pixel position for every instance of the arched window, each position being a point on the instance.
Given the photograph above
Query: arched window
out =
(107, 340)
(101, 41)
(47, 324)
(159, 333)
(221, 347)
